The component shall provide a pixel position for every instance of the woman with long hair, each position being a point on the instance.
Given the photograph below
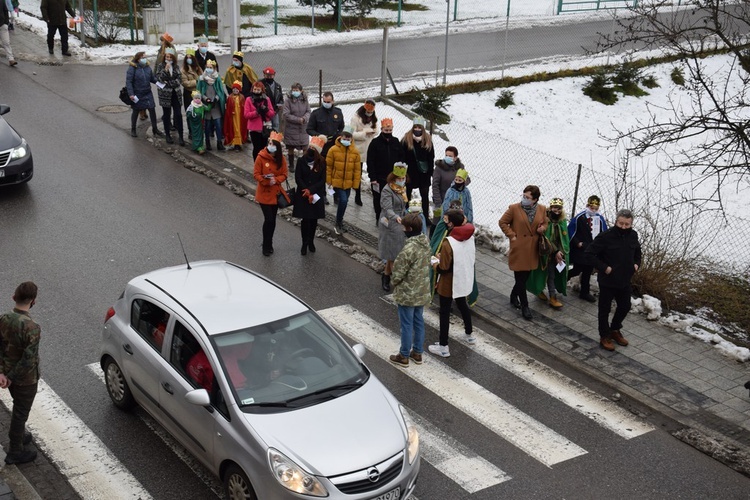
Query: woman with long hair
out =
(365, 127)
(270, 172)
(309, 205)
(420, 156)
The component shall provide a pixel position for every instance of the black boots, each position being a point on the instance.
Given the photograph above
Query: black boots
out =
(304, 248)
(181, 141)
(386, 282)
(220, 145)
(133, 133)
(358, 196)
(311, 243)
(208, 144)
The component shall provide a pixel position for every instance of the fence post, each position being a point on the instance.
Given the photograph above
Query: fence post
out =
(312, 27)
(205, 17)
(320, 88)
(559, 6)
(96, 22)
(338, 11)
(505, 47)
(275, 17)
(455, 10)
(384, 62)
(575, 194)
(398, 19)
(130, 21)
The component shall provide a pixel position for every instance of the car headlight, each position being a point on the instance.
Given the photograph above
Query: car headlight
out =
(20, 151)
(412, 438)
(292, 477)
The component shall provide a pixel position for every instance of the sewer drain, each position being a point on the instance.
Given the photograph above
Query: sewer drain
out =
(115, 108)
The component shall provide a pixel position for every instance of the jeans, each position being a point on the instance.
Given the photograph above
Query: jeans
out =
(275, 122)
(445, 316)
(621, 297)
(343, 195)
(269, 224)
(211, 126)
(412, 329)
(23, 397)
(519, 288)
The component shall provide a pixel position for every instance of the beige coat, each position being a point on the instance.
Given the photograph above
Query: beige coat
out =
(524, 250)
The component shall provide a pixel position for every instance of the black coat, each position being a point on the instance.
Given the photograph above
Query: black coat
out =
(411, 157)
(329, 122)
(53, 11)
(201, 59)
(138, 81)
(305, 178)
(381, 155)
(618, 251)
(580, 232)
(274, 92)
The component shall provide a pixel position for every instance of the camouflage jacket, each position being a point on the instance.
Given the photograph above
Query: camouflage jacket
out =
(19, 347)
(411, 273)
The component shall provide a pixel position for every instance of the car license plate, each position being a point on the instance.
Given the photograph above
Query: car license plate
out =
(2, 172)
(391, 495)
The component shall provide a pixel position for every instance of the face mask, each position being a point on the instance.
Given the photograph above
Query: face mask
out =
(346, 142)
(271, 149)
(235, 91)
(189, 61)
(203, 50)
(237, 64)
(554, 216)
(622, 231)
(526, 202)
(197, 102)
(328, 105)
(401, 183)
(209, 71)
(143, 62)
(310, 154)
(296, 93)
(591, 212)
(269, 78)
(448, 160)
(387, 135)
(417, 133)
(459, 186)
(257, 92)
(369, 113)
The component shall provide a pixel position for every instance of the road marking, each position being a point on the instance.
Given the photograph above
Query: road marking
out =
(581, 399)
(467, 469)
(203, 474)
(537, 440)
(90, 467)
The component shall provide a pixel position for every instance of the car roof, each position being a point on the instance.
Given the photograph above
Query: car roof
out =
(223, 296)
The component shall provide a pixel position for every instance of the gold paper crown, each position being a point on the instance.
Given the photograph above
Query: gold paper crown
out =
(399, 169)
(275, 136)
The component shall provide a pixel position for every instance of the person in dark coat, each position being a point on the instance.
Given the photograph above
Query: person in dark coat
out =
(310, 178)
(616, 254)
(276, 95)
(582, 229)
(170, 96)
(420, 156)
(53, 13)
(138, 81)
(203, 54)
(328, 120)
(382, 153)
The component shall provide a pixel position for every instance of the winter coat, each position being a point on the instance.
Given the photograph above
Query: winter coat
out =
(220, 98)
(274, 92)
(449, 270)
(266, 164)
(524, 250)
(619, 251)
(381, 155)
(172, 81)
(360, 135)
(315, 182)
(391, 234)
(580, 231)
(411, 273)
(53, 12)
(4, 15)
(189, 78)
(442, 178)
(201, 60)
(344, 167)
(464, 197)
(557, 233)
(412, 157)
(296, 111)
(245, 75)
(256, 114)
(138, 81)
(329, 122)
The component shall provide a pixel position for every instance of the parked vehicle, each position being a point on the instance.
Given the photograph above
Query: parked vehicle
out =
(16, 163)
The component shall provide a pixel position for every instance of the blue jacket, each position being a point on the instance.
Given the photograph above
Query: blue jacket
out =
(138, 82)
(463, 196)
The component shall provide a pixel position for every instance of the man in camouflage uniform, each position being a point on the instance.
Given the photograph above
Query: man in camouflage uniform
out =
(19, 368)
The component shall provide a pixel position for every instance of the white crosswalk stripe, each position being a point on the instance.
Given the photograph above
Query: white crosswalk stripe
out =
(581, 399)
(524, 432)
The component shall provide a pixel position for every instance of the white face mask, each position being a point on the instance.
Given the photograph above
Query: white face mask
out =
(328, 105)
(271, 149)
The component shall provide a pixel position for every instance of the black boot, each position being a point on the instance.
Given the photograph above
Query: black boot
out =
(133, 133)
(386, 282)
(181, 141)
(358, 196)
(208, 144)
(220, 145)
(304, 248)
(311, 243)
(169, 139)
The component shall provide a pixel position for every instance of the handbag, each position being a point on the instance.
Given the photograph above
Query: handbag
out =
(124, 97)
(285, 198)
(422, 165)
(545, 246)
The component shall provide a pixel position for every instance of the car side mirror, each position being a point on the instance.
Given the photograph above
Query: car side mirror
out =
(198, 397)
(359, 350)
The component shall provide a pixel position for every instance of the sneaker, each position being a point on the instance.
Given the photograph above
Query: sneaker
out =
(588, 297)
(399, 360)
(607, 344)
(617, 337)
(542, 296)
(338, 229)
(440, 350)
(416, 357)
(20, 457)
(471, 339)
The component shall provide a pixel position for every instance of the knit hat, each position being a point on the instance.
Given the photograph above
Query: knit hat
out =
(412, 222)
(259, 85)
(415, 205)
(556, 202)
(239, 56)
(419, 122)
(211, 63)
(462, 173)
(594, 200)
(348, 130)
(167, 37)
(317, 143)
(237, 85)
(386, 122)
(170, 51)
(203, 39)
(189, 52)
(269, 71)
(369, 105)
(399, 169)
(276, 136)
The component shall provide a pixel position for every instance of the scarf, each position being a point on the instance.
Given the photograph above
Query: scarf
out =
(530, 212)
(399, 190)
(209, 79)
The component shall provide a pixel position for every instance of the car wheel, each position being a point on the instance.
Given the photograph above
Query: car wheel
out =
(117, 386)
(236, 484)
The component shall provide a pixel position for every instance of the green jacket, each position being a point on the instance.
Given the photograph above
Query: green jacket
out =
(557, 233)
(19, 347)
(411, 273)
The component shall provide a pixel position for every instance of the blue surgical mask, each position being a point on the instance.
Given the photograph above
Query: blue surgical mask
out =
(296, 93)
(328, 105)
(143, 62)
(203, 50)
(346, 142)
(271, 149)
(526, 202)
(237, 64)
(401, 183)
(448, 160)
(189, 60)
(208, 71)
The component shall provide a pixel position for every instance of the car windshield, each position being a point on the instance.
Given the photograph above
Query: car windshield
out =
(289, 363)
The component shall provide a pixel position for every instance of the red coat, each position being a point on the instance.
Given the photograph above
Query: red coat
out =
(254, 120)
(229, 116)
(265, 164)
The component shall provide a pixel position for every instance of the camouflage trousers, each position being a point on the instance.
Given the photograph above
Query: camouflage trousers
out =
(23, 397)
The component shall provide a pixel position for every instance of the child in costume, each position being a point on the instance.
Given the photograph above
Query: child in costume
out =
(235, 125)
(194, 115)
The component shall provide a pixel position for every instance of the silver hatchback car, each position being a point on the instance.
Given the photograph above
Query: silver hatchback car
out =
(257, 386)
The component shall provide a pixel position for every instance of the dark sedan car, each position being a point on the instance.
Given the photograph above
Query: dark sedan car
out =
(16, 163)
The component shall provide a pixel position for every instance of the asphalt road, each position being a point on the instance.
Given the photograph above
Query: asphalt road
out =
(103, 208)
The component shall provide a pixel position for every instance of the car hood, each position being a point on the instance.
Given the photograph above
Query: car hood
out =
(8, 137)
(339, 436)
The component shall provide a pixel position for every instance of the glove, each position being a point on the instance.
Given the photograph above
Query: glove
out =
(298, 153)
(438, 212)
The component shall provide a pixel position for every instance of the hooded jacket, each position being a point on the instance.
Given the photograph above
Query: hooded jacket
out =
(265, 164)
(456, 267)
(138, 81)
(442, 178)
(343, 166)
(253, 114)
(411, 273)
